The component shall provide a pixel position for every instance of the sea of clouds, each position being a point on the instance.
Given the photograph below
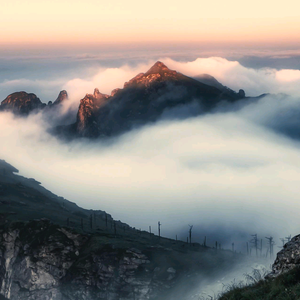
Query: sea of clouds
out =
(231, 173)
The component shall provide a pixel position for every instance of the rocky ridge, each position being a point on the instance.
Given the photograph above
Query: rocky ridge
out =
(143, 99)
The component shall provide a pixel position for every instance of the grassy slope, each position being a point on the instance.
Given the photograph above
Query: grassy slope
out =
(283, 287)
(22, 200)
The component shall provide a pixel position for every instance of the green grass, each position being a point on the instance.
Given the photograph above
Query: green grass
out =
(283, 287)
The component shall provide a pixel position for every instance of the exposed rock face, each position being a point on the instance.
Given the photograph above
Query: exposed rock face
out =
(40, 260)
(43, 261)
(63, 96)
(288, 258)
(21, 103)
(86, 117)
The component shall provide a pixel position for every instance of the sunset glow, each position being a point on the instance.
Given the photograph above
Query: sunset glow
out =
(118, 22)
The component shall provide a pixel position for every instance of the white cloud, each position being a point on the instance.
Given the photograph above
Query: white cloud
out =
(214, 169)
(226, 168)
(288, 75)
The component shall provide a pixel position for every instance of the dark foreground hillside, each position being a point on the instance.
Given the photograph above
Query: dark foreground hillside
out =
(41, 260)
(52, 249)
(284, 287)
(283, 283)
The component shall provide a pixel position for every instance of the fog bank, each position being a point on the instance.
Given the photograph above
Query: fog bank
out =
(231, 173)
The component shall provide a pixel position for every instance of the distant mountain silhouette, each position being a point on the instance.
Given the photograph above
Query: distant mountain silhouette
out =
(143, 99)
(22, 103)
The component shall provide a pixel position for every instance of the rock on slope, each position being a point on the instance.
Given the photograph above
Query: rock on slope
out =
(288, 258)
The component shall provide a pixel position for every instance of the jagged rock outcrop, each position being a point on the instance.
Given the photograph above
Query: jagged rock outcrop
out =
(21, 103)
(287, 258)
(87, 113)
(63, 96)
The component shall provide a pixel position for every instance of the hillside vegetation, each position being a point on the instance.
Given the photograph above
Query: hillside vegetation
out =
(284, 287)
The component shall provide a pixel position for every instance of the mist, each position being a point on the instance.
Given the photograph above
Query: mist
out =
(231, 173)
(45, 72)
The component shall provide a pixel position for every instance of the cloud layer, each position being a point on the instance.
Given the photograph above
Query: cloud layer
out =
(234, 171)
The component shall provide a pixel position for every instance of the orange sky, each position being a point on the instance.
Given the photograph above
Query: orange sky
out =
(95, 22)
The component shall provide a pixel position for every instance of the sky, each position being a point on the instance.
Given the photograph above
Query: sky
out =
(69, 23)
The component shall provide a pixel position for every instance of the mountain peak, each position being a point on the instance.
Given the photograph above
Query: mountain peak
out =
(21, 103)
(99, 95)
(63, 95)
(158, 67)
(96, 92)
(159, 72)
